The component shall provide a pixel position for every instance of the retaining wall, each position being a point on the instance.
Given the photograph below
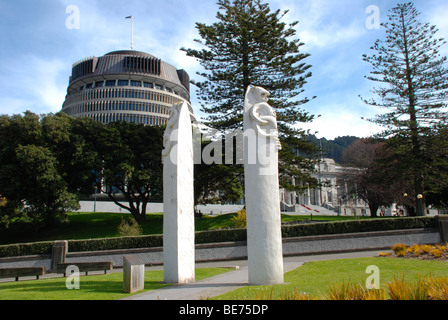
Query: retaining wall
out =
(238, 250)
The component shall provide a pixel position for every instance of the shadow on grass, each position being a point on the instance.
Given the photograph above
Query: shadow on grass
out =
(102, 287)
(92, 287)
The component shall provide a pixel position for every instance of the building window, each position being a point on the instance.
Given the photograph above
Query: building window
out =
(159, 87)
(110, 83)
(99, 84)
(148, 85)
(136, 83)
(123, 83)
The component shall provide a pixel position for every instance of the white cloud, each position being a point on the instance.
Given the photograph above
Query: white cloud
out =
(37, 85)
(437, 17)
(325, 24)
(334, 34)
(341, 122)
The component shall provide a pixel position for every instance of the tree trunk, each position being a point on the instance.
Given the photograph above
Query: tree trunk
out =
(373, 209)
(416, 150)
(140, 217)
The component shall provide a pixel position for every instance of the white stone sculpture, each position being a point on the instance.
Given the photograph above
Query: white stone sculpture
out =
(178, 197)
(264, 238)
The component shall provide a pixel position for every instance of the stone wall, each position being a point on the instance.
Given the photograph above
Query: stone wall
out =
(238, 250)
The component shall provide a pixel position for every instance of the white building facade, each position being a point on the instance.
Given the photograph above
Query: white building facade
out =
(333, 195)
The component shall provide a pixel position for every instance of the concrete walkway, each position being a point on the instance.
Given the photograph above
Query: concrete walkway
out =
(231, 280)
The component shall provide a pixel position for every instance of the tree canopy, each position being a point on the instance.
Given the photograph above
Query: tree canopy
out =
(413, 89)
(251, 45)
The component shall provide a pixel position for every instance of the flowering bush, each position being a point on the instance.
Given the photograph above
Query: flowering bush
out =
(3, 201)
(423, 251)
(240, 219)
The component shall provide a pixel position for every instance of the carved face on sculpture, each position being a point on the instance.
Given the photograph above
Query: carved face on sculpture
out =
(256, 95)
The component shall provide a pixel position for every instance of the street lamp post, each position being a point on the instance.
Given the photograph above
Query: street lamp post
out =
(420, 211)
(94, 201)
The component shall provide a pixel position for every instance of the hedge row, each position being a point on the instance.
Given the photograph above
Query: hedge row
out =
(358, 226)
(224, 235)
(26, 249)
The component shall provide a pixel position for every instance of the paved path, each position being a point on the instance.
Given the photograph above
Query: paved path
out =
(231, 280)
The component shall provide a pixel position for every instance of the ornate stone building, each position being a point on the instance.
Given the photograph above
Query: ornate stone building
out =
(332, 196)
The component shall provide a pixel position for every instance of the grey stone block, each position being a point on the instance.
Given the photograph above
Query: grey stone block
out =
(133, 274)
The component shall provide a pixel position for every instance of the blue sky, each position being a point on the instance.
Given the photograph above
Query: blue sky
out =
(38, 49)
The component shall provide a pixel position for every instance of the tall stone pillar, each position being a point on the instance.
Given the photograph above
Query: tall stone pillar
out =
(264, 238)
(178, 197)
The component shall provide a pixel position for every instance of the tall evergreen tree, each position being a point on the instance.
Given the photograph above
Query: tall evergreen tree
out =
(414, 91)
(250, 45)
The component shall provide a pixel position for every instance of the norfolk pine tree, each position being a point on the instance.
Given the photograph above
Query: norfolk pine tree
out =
(414, 91)
(250, 45)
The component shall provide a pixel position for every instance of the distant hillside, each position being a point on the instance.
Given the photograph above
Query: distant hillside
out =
(333, 149)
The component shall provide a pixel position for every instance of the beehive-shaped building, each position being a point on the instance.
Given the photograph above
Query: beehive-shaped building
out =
(128, 85)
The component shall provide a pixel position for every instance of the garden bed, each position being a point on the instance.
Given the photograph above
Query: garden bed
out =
(421, 252)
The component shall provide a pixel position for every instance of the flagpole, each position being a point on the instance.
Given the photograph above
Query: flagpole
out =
(132, 30)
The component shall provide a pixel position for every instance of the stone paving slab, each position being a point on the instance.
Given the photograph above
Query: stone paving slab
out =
(232, 280)
(206, 288)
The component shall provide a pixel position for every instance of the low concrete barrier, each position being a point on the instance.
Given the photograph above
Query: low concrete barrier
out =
(237, 250)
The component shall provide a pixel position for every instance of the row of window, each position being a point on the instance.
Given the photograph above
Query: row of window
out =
(122, 93)
(125, 83)
(135, 118)
(117, 106)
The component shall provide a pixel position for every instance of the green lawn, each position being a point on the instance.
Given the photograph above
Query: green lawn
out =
(104, 225)
(314, 278)
(96, 287)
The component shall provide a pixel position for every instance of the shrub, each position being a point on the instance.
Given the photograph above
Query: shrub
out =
(398, 289)
(399, 249)
(239, 220)
(384, 254)
(129, 228)
(438, 288)
(368, 225)
(115, 243)
(26, 249)
(224, 235)
(3, 201)
(354, 292)
(418, 251)
(424, 288)
(437, 253)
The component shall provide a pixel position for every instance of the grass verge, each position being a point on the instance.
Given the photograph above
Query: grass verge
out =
(316, 278)
(95, 287)
(90, 225)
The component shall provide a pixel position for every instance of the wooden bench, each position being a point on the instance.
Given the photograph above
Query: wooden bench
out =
(85, 267)
(22, 272)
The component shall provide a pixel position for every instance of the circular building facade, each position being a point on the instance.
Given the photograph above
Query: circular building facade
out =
(128, 85)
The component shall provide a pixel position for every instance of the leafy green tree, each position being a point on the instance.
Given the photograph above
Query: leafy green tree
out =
(73, 141)
(217, 182)
(132, 165)
(414, 89)
(43, 190)
(250, 45)
(29, 175)
(437, 188)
